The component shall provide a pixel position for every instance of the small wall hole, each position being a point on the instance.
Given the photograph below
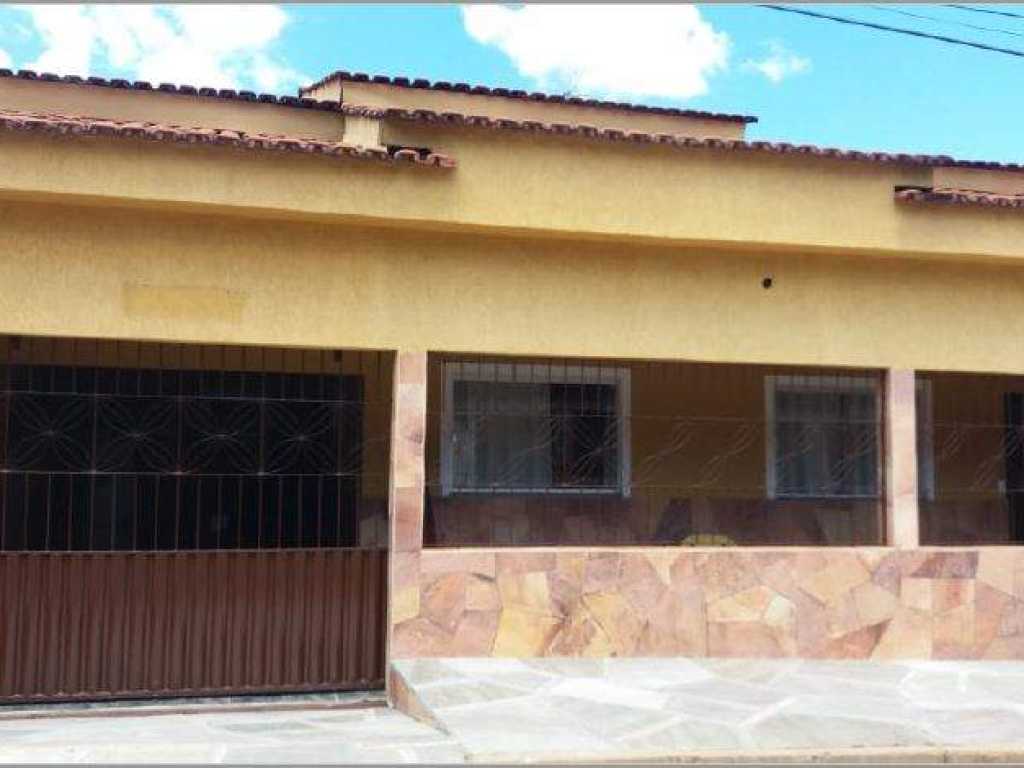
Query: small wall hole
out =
(767, 282)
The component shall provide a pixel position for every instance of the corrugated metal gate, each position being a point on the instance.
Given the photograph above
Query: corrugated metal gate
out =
(112, 624)
(193, 523)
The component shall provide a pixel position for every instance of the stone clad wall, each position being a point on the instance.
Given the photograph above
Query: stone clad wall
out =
(405, 518)
(811, 603)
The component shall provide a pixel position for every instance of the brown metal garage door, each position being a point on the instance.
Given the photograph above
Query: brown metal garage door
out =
(191, 525)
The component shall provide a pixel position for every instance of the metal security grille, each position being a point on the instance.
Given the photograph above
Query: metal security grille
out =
(970, 453)
(174, 457)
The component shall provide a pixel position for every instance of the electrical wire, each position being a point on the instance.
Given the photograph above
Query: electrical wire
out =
(897, 30)
(984, 10)
(937, 20)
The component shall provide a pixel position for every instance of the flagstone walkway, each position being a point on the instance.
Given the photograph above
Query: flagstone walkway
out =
(506, 710)
(556, 709)
(279, 737)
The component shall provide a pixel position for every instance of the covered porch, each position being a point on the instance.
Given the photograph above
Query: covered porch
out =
(543, 452)
(606, 508)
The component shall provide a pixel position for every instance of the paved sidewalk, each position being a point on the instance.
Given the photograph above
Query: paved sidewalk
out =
(506, 710)
(620, 709)
(374, 735)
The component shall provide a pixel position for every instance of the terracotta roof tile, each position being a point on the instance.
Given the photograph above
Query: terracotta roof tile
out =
(451, 118)
(88, 126)
(685, 142)
(181, 90)
(551, 98)
(951, 196)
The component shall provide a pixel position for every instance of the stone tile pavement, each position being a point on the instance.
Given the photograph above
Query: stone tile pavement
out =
(279, 737)
(508, 710)
(616, 709)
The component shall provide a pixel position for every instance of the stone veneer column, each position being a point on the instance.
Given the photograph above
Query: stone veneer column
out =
(408, 478)
(901, 459)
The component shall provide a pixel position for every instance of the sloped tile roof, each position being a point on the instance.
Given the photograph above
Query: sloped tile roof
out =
(451, 118)
(952, 196)
(685, 142)
(74, 125)
(181, 90)
(550, 98)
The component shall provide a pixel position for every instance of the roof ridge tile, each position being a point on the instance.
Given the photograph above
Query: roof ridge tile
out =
(181, 90)
(516, 93)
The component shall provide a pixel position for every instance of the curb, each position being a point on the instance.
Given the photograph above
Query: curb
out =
(994, 754)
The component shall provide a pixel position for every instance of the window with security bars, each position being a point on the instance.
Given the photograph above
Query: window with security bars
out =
(823, 437)
(523, 428)
(102, 458)
(534, 451)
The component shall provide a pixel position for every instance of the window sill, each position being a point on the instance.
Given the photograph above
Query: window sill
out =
(535, 492)
(824, 497)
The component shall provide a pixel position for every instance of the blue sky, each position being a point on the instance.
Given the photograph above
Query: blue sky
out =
(807, 80)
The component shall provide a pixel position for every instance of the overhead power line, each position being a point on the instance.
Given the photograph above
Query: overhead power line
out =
(972, 9)
(897, 30)
(938, 20)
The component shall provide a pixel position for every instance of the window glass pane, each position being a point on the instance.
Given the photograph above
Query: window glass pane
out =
(533, 435)
(826, 442)
(502, 435)
(585, 431)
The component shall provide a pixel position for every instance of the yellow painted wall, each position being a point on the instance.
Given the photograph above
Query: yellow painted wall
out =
(175, 109)
(109, 273)
(545, 186)
(999, 182)
(382, 95)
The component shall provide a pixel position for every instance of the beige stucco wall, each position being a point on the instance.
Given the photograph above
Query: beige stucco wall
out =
(382, 95)
(175, 109)
(1000, 182)
(86, 271)
(552, 187)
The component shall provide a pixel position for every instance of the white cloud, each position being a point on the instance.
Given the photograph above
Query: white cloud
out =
(608, 50)
(779, 64)
(5, 59)
(223, 46)
(68, 35)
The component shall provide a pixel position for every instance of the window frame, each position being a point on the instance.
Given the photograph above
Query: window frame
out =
(823, 384)
(537, 373)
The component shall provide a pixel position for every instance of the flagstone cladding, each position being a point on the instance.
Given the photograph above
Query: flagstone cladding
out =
(811, 603)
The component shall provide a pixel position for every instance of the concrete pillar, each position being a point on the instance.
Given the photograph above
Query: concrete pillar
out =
(901, 459)
(408, 479)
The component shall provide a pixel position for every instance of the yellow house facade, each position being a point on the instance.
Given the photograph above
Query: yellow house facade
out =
(398, 369)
